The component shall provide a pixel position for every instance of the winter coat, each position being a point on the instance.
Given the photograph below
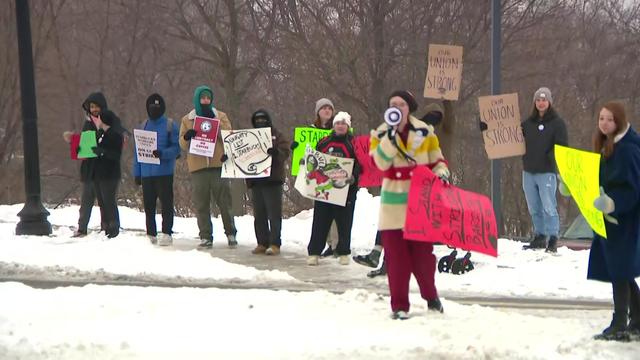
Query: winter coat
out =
(342, 146)
(107, 165)
(425, 149)
(539, 157)
(86, 166)
(167, 145)
(281, 144)
(618, 256)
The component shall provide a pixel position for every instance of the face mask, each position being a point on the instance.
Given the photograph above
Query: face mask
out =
(261, 123)
(154, 111)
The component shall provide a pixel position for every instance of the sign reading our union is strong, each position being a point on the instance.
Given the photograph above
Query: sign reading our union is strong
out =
(503, 137)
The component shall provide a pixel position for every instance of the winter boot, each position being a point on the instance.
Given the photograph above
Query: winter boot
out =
(165, 239)
(273, 250)
(539, 242)
(634, 309)
(327, 252)
(400, 315)
(618, 329)
(312, 260)
(552, 247)
(79, 234)
(372, 259)
(435, 305)
(260, 249)
(344, 259)
(205, 244)
(232, 242)
(381, 271)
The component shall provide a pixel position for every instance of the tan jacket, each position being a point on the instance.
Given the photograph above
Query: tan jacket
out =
(199, 162)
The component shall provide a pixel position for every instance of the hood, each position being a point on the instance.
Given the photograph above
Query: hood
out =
(261, 113)
(196, 99)
(155, 106)
(96, 98)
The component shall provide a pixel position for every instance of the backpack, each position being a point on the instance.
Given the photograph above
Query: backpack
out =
(170, 122)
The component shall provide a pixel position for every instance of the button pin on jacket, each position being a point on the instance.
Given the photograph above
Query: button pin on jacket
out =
(541, 127)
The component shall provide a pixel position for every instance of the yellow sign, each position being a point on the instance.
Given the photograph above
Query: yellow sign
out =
(580, 171)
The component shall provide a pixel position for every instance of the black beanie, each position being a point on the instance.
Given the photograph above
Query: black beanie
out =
(407, 97)
(261, 113)
(108, 117)
(155, 106)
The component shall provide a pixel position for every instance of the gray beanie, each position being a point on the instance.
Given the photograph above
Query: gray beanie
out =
(543, 93)
(323, 102)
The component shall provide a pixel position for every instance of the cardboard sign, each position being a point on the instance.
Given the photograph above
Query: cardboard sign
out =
(87, 142)
(324, 177)
(146, 142)
(305, 136)
(503, 137)
(444, 72)
(73, 146)
(204, 143)
(247, 153)
(449, 215)
(370, 175)
(580, 171)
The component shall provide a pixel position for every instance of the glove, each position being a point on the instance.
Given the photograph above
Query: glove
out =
(138, 180)
(272, 151)
(294, 145)
(351, 180)
(391, 133)
(562, 187)
(445, 179)
(224, 158)
(77, 150)
(98, 150)
(482, 125)
(67, 136)
(189, 134)
(604, 203)
(157, 153)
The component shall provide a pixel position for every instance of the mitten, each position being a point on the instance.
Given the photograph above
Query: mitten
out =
(604, 203)
(190, 134)
(157, 153)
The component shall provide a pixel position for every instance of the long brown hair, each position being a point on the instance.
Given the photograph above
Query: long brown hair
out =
(602, 143)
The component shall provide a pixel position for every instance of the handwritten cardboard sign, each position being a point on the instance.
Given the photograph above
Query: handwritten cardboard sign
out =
(246, 150)
(88, 141)
(146, 142)
(305, 136)
(580, 171)
(503, 137)
(204, 143)
(444, 72)
(324, 177)
(447, 214)
(370, 175)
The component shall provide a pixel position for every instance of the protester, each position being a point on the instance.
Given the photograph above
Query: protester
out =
(266, 193)
(205, 171)
(616, 258)
(157, 179)
(397, 150)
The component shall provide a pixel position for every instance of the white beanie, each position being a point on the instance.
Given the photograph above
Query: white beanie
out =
(342, 116)
(323, 102)
(543, 93)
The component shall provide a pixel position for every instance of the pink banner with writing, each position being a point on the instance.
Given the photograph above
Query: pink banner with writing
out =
(449, 215)
(370, 175)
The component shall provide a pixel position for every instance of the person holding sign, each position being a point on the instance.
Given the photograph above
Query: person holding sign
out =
(157, 179)
(542, 130)
(106, 171)
(266, 193)
(398, 146)
(340, 144)
(616, 259)
(206, 171)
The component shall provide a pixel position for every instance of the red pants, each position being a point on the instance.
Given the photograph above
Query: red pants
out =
(402, 258)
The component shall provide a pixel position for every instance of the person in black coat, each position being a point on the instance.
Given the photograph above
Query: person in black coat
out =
(616, 259)
(106, 170)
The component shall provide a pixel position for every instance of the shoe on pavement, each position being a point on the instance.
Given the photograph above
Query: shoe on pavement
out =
(435, 305)
(165, 239)
(539, 242)
(260, 249)
(552, 247)
(79, 234)
(327, 252)
(378, 272)
(205, 244)
(372, 259)
(232, 242)
(344, 259)
(313, 260)
(400, 315)
(152, 239)
(273, 250)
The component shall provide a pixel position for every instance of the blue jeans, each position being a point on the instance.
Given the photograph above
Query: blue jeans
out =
(540, 192)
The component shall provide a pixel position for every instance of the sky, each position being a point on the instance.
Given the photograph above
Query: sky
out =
(128, 322)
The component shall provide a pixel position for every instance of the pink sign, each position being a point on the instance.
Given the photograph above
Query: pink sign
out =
(449, 215)
(370, 175)
(73, 147)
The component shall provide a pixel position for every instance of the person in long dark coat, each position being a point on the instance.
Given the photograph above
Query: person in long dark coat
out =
(616, 259)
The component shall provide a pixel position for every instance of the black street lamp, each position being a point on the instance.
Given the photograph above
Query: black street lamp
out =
(33, 216)
(496, 33)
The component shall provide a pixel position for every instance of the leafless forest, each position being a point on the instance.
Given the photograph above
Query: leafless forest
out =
(284, 54)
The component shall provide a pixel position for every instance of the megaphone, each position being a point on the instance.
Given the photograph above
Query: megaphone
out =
(393, 116)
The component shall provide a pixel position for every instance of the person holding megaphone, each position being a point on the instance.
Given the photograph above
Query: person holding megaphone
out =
(398, 146)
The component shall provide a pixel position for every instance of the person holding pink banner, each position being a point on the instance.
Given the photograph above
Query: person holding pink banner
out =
(398, 146)
(616, 259)
(206, 172)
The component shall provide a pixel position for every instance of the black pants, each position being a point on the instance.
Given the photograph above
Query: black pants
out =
(267, 213)
(153, 188)
(87, 199)
(323, 215)
(106, 191)
(378, 239)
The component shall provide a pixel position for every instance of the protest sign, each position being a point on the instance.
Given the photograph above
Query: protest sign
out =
(444, 72)
(305, 136)
(73, 146)
(204, 143)
(324, 177)
(246, 152)
(87, 142)
(146, 142)
(370, 175)
(503, 137)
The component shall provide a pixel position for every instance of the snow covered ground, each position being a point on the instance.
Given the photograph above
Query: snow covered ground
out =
(120, 322)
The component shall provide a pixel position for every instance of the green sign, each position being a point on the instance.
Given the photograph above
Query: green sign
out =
(87, 142)
(304, 136)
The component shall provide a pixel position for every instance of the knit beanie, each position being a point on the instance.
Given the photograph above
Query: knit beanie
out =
(342, 116)
(407, 97)
(323, 102)
(543, 93)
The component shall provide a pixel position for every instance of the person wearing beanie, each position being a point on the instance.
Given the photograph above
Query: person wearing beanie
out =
(206, 179)
(106, 171)
(542, 130)
(396, 152)
(157, 179)
(324, 113)
(266, 193)
(339, 143)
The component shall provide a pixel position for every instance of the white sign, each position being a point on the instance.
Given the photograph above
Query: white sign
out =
(246, 150)
(204, 143)
(324, 177)
(146, 143)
